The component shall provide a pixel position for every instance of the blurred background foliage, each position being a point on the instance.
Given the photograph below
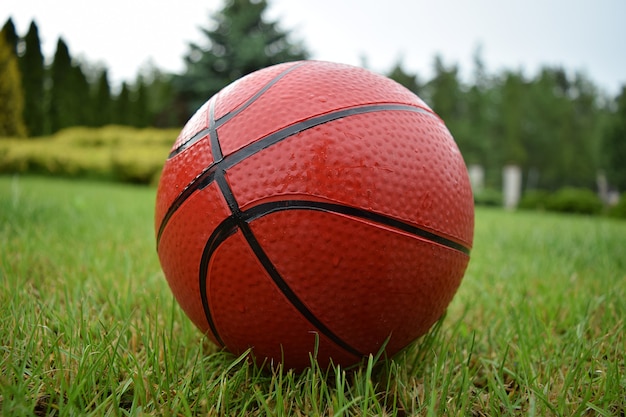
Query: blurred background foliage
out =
(557, 125)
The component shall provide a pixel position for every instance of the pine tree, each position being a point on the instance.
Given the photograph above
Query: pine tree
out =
(615, 144)
(579, 134)
(10, 36)
(140, 103)
(445, 91)
(102, 100)
(122, 107)
(476, 139)
(408, 80)
(82, 102)
(242, 42)
(32, 67)
(154, 102)
(511, 119)
(60, 105)
(445, 96)
(561, 130)
(11, 95)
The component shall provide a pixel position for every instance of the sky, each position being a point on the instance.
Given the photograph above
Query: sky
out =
(125, 35)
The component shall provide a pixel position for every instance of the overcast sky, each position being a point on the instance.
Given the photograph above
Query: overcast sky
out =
(580, 35)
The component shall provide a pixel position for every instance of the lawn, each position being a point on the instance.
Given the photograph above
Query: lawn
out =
(89, 326)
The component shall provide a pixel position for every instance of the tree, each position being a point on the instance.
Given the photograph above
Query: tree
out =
(477, 139)
(122, 107)
(82, 102)
(511, 119)
(444, 91)
(61, 109)
(581, 136)
(241, 42)
(32, 68)
(544, 114)
(561, 127)
(140, 115)
(102, 100)
(154, 99)
(10, 36)
(615, 144)
(445, 96)
(11, 95)
(404, 78)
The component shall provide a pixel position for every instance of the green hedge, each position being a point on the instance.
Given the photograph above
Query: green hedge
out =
(488, 197)
(565, 200)
(619, 210)
(112, 152)
(574, 200)
(534, 200)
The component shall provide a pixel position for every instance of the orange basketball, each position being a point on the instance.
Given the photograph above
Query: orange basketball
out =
(314, 205)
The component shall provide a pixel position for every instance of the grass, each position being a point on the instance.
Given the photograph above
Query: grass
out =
(89, 326)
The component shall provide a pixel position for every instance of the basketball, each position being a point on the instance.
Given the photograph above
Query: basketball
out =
(314, 209)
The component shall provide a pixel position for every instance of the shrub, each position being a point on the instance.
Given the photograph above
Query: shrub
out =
(138, 165)
(488, 197)
(115, 136)
(112, 152)
(534, 200)
(574, 200)
(619, 210)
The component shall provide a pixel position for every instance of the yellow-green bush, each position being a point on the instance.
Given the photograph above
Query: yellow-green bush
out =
(114, 136)
(138, 164)
(112, 152)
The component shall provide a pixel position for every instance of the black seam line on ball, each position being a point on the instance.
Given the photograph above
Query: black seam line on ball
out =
(206, 177)
(296, 128)
(225, 118)
(229, 227)
(222, 183)
(242, 224)
(216, 148)
(274, 206)
(220, 234)
(290, 294)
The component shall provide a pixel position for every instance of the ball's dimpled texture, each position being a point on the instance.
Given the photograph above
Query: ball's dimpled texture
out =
(314, 203)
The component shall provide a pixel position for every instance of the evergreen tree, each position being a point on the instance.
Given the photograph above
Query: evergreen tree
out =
(82, 101)
(404, 78)
(122, 107)
(158, 98)
(477, 142)
(140, 103)
(241, 42)
(102, 100)
(32, 67)
(444, 91)
(61, 110)
(581, 134)
(544, 114)
(445, 96)
(615, 144)
(562, 130)
(10, 36)
(11, 95)
(511, 119)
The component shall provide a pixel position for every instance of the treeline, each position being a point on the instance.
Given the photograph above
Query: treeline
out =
(71, 92)
(557, 125)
